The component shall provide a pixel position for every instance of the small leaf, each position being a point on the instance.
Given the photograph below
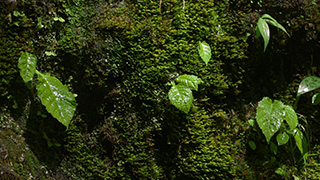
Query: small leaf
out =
(300, 141)
(273, 148)
(190, 81)
(252, 145)
(270, 116)
(251, 122)
(282, 138)
(27, 65)
(316, 99)
(308, 84)
(57, 99)
(291, 117)
(280, 171)
(204, 51)
(264, 31)
(181, 97)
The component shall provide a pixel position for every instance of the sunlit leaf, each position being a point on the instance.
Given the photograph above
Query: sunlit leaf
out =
(27, 65)
(269, 116)
(316, 99)
(280, 171)
(291, 117)
(204, 51)
(57, 99)
(181, 97)
(308, 84)
(263, 28)
(282, 138)
(190, 81)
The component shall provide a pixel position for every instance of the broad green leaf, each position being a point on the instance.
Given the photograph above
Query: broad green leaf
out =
(270, 116)
(308, 84)
(190, 81)
(204, 51)
(316, 99)
(181, 97)
(252, 145)
(282, 138)
(263, 28)
(27, 65)
(300, 142)
(57, 99)
(291, 117)
(273, 22)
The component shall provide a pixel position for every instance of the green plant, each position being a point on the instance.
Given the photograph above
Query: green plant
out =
(57, 99)
(180, 95)
(262, 28)
(309, 84)
(275, 117)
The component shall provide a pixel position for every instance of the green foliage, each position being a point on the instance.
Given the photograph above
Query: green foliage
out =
(270, 118)
(309, 84)
(57, 99)
(60, 103)
(204, 51)
(262, 28)
(181, 95)
(27, 65)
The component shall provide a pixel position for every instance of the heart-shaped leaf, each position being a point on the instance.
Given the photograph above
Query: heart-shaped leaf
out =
(291, 117)
(57, 99)
(263, 29)
(181, 97)
(190, 81)
(270, 116)
(316, 99)
(27, 65)
(204, 51)
(282, 138)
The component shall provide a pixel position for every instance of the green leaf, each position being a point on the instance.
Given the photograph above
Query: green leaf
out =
(273, 148)
(308, 84)
(57, 99)
(282, 138)
(281, 171)
(270, 116)
(27, 65)
(316, 99)
(181, 97)
(190, 81)
(300, 141)
(270, 20)
(263, 28)
(252, 145)
(291, 117)
(204, 51)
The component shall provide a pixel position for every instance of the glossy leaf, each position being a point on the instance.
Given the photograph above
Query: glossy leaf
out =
(316, 99)
(57, 99)
(204, 51)
(291, 117)
(300, 141)
(282, 138)
(270, 20)
(308, 84)
(190, 81)
(263, 29)
(270, 116)
(27, 65)
(252, 145)
(181, 97)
